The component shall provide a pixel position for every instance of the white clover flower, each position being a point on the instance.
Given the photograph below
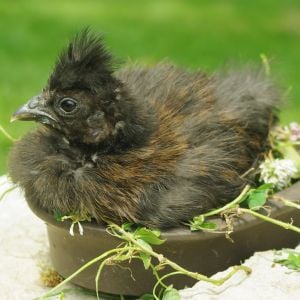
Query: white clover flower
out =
(294, 132)
(279, 172)
(281, 133)
(289, 132)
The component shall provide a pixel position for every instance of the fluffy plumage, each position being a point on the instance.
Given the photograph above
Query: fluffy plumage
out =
(152, 145)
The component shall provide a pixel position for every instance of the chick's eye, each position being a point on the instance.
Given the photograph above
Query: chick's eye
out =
(67, 105)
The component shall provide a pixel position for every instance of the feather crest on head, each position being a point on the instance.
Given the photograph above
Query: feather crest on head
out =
(84, 64)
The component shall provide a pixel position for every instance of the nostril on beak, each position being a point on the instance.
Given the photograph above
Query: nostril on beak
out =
(34, 102)
(32, 111)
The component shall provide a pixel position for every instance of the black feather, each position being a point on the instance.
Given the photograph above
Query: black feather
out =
(85, 64)
(153, 145)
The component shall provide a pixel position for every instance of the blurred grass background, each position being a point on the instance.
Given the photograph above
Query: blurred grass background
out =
(196, 34)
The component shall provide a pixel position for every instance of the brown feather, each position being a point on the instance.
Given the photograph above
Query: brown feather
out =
(153, 145)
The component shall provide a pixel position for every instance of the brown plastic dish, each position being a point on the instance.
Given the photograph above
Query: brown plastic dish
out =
(203, 252)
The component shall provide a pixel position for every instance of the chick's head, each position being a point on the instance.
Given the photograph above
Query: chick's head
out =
(82, 98)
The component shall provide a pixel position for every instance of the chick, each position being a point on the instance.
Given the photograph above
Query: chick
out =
(151, 145)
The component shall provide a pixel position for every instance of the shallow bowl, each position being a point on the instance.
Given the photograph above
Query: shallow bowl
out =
(201, 252)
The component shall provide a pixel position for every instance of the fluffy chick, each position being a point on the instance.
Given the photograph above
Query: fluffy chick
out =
(151, 145)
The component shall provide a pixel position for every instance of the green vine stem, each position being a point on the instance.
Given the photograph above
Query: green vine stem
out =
(270, 220)
(101, 266)
(85, 266)
(229, 205)
(163, 260)
(234, 205)
(132, 246)
(7, 191)
(157, 276)
(7, 134)
(266, 64)
(286, 201)
(112, 259)
(160, 282)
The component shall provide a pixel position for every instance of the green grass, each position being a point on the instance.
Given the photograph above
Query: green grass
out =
(195, 34)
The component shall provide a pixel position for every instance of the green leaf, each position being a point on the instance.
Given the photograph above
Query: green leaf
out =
(171, 294)
(149, 236)
(209, 226)
(292, 261)
(144, 244)
(127, 226)
(257, 199)
(156, 232)
(265, 187)
(199, 223)
(58, 216)
(199, 219)
(146, 258)
(203, 226)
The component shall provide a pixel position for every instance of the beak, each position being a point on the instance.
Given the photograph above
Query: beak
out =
(34, 110)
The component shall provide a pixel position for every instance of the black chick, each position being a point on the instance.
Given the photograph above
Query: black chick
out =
(152, 145)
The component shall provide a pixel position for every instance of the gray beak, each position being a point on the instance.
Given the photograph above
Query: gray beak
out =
(34, 110)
